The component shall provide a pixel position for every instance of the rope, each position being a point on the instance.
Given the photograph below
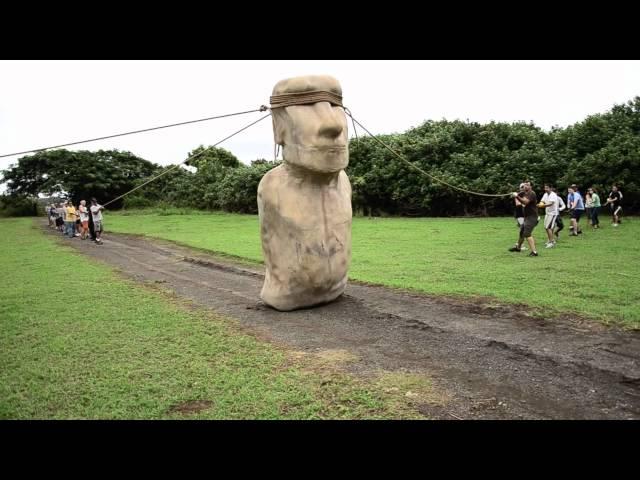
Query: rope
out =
(355, 131)
(263, 108)
(188, 159)
(412, 165)
(305, 98)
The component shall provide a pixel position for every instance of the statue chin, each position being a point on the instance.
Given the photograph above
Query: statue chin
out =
(317, 159)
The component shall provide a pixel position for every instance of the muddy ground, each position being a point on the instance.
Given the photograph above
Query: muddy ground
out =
(487, 361)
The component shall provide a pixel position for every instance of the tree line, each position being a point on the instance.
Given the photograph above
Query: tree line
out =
(495, 157)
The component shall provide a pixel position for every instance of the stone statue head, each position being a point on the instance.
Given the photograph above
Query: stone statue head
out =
(313, 132)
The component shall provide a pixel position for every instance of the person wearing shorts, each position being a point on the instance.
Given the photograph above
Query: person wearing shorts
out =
(60, 219)
(550, 202)
(96, 213)
(561, 207)
(519, 210)
(615, 204)
(528, 198)
(576, 207)
(78, 223)
(53, 214)
(84, 219)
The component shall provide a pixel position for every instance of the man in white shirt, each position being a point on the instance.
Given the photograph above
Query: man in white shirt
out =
(96, 214)
(550, 202)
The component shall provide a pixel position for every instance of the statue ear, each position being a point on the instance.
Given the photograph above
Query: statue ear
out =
(278, 127)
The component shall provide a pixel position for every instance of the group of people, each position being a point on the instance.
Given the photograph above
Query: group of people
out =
(527, 205)
(79, 222)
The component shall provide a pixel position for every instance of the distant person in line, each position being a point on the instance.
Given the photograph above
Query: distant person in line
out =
(576, 207)
(561, 208)
(550, 203)
(519, 212)
(84, 219)
(62, 213)
(78, 223)
(595, 208)
(92, 232)
(96, 213)
(615, 204)
(529, 200)
(52, 214)
(69, 219)
(588, 206)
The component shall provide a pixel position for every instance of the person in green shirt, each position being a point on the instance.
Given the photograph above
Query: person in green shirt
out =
(595, 208)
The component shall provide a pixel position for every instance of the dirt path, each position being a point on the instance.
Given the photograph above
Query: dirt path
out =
(488, 361)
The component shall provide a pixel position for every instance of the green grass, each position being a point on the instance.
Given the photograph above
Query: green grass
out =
(594, 275)
(78, 341)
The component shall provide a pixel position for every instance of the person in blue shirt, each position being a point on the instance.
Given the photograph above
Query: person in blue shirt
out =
(576, 207)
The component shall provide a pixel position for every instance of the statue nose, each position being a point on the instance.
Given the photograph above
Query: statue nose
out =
(330, 124)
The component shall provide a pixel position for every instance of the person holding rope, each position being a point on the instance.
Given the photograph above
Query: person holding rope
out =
(60, 212)
(550, 203)
(519, 212)
(84, 219)
(528, 198)
(96, 213)
(615, 204)
(70, 219)
(595, 208)
(561, 208)
(52, 214)
(576, 207)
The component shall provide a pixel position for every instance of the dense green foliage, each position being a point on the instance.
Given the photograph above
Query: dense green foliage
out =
(17, 206)
(104, 174)
(492, 158)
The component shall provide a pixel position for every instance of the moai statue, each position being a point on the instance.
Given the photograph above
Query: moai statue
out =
(305, 203)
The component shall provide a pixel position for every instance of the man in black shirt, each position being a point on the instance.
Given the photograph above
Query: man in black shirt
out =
(615, 204)
(528, 199)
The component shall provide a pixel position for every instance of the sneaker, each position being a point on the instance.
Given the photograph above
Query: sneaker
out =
(515, 249)
(533, 254)
(550, 245)
(615, 224)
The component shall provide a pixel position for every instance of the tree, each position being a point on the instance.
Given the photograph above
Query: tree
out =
(104, 174)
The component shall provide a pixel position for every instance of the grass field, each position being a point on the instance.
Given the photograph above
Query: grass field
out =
(593, 275)
(78, 341)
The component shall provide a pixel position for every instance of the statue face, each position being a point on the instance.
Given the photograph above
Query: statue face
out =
(314, 137)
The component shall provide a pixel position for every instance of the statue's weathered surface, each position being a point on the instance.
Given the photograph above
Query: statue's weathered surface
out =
(305, 203)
